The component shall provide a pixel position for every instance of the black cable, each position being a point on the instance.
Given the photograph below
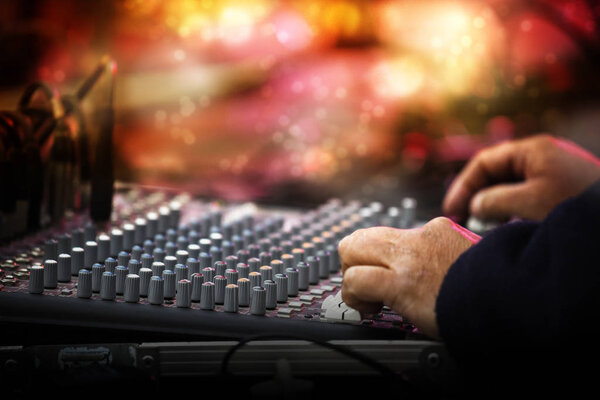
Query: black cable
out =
(384, 370)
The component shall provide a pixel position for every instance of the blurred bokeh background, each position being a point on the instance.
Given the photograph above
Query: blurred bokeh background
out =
(292, 102)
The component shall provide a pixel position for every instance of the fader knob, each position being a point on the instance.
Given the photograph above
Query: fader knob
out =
(131, 294)
(145, 275)
(197, 281)
(231, 298)
(36, 279)
(121, 273)
(258, 301)
(244, 292)
(77, 257)
(282, 288)
(84, 284)
(270, 294)
(183, 298)
(64, 268)
(97, 271)
(207, 301)
(169, 285)
(107, 286)
(220, 283)
(156, 289)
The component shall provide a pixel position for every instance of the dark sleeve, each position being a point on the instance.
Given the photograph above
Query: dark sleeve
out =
(526, 287)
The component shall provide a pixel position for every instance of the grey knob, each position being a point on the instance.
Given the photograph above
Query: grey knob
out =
(136, 252)
(298, 255)
(216, 254)
(140, 230)
(182, 272)
(255, 279)
(145, 275)
(244, 291)
(181, 256)
(131, 294)
(309, 249)
(254, 264)
(159, 254)
(292, 274)
(110, 264)
(220, 267)
(158, 268)
(208, 273)
(276, 252)
(184, 289)
(231, 262)
(266, 273)
(207, 302)
(64, 244)
(116, 241)
(36, 279)
(231, 298)
(84, 284)
(169, 279)
(265, 258)
(89, 232)
(282, 288)
(97, 271)
(205, 260)
(197, 281)
(205, 245)
(77, 238)
(108, 286)
(128, 236)
(163, 218)
(243, 270)
(270, 294)
(288, 261)
(303, 271)
(76, 260)
(334, 259)
(156, 294)
(160, 240)
(314, 264)
(146, 260)
(64, 268)
(121, 273)
(123, 258)
(232, 275)
(193, 265)
(193, 250)
(323, 264)
(134, 266)
(151, 224)
(170, 249)
(170, 262)
(258, 301)
(171, 235)
(243, 255)
(277, 266)
(90, 254)
(51, 249)
(103, 247)
(182, 243)
(220, 283)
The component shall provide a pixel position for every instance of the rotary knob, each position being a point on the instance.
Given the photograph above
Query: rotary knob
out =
(84, 284)
(156, 294)
(90, 254)
(232, 275)
(36, 279)
(208, 273)
(158, 268)
(197, 281)
(107, 286)
(207, 302)
(183, 298)
(134, 266)
(255, 279)
(266, 272)
(145, 275)
(244, 292)
(270, 294)
(292, 274)
(282, 288)
(121, 273)
(97, 271)
(182, 272)
(64, 268)
(220, 283)
(258, 301)
(231, 298)
(110, 264)
(77, 256)
(303, 271)
(131, 293)
(169, 285)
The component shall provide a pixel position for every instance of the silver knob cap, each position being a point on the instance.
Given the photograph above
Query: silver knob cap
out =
(158, 268)
(84, 284)
(181, 256)
(170, 262)
(116, 241)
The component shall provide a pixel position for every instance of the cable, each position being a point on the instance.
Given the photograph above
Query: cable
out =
(384, 370)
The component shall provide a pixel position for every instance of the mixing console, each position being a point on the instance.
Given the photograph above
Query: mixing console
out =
(174, 267)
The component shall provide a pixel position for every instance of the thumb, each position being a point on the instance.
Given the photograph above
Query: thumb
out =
(504, 201)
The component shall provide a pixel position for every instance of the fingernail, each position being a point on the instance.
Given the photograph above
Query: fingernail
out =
(477, 204)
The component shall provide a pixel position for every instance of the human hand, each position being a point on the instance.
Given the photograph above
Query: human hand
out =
(524, 178)
(402, 269)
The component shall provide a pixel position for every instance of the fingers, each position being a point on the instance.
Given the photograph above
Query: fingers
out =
(494, 164)
(366, 288)
(501, 202)
(373, 246)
